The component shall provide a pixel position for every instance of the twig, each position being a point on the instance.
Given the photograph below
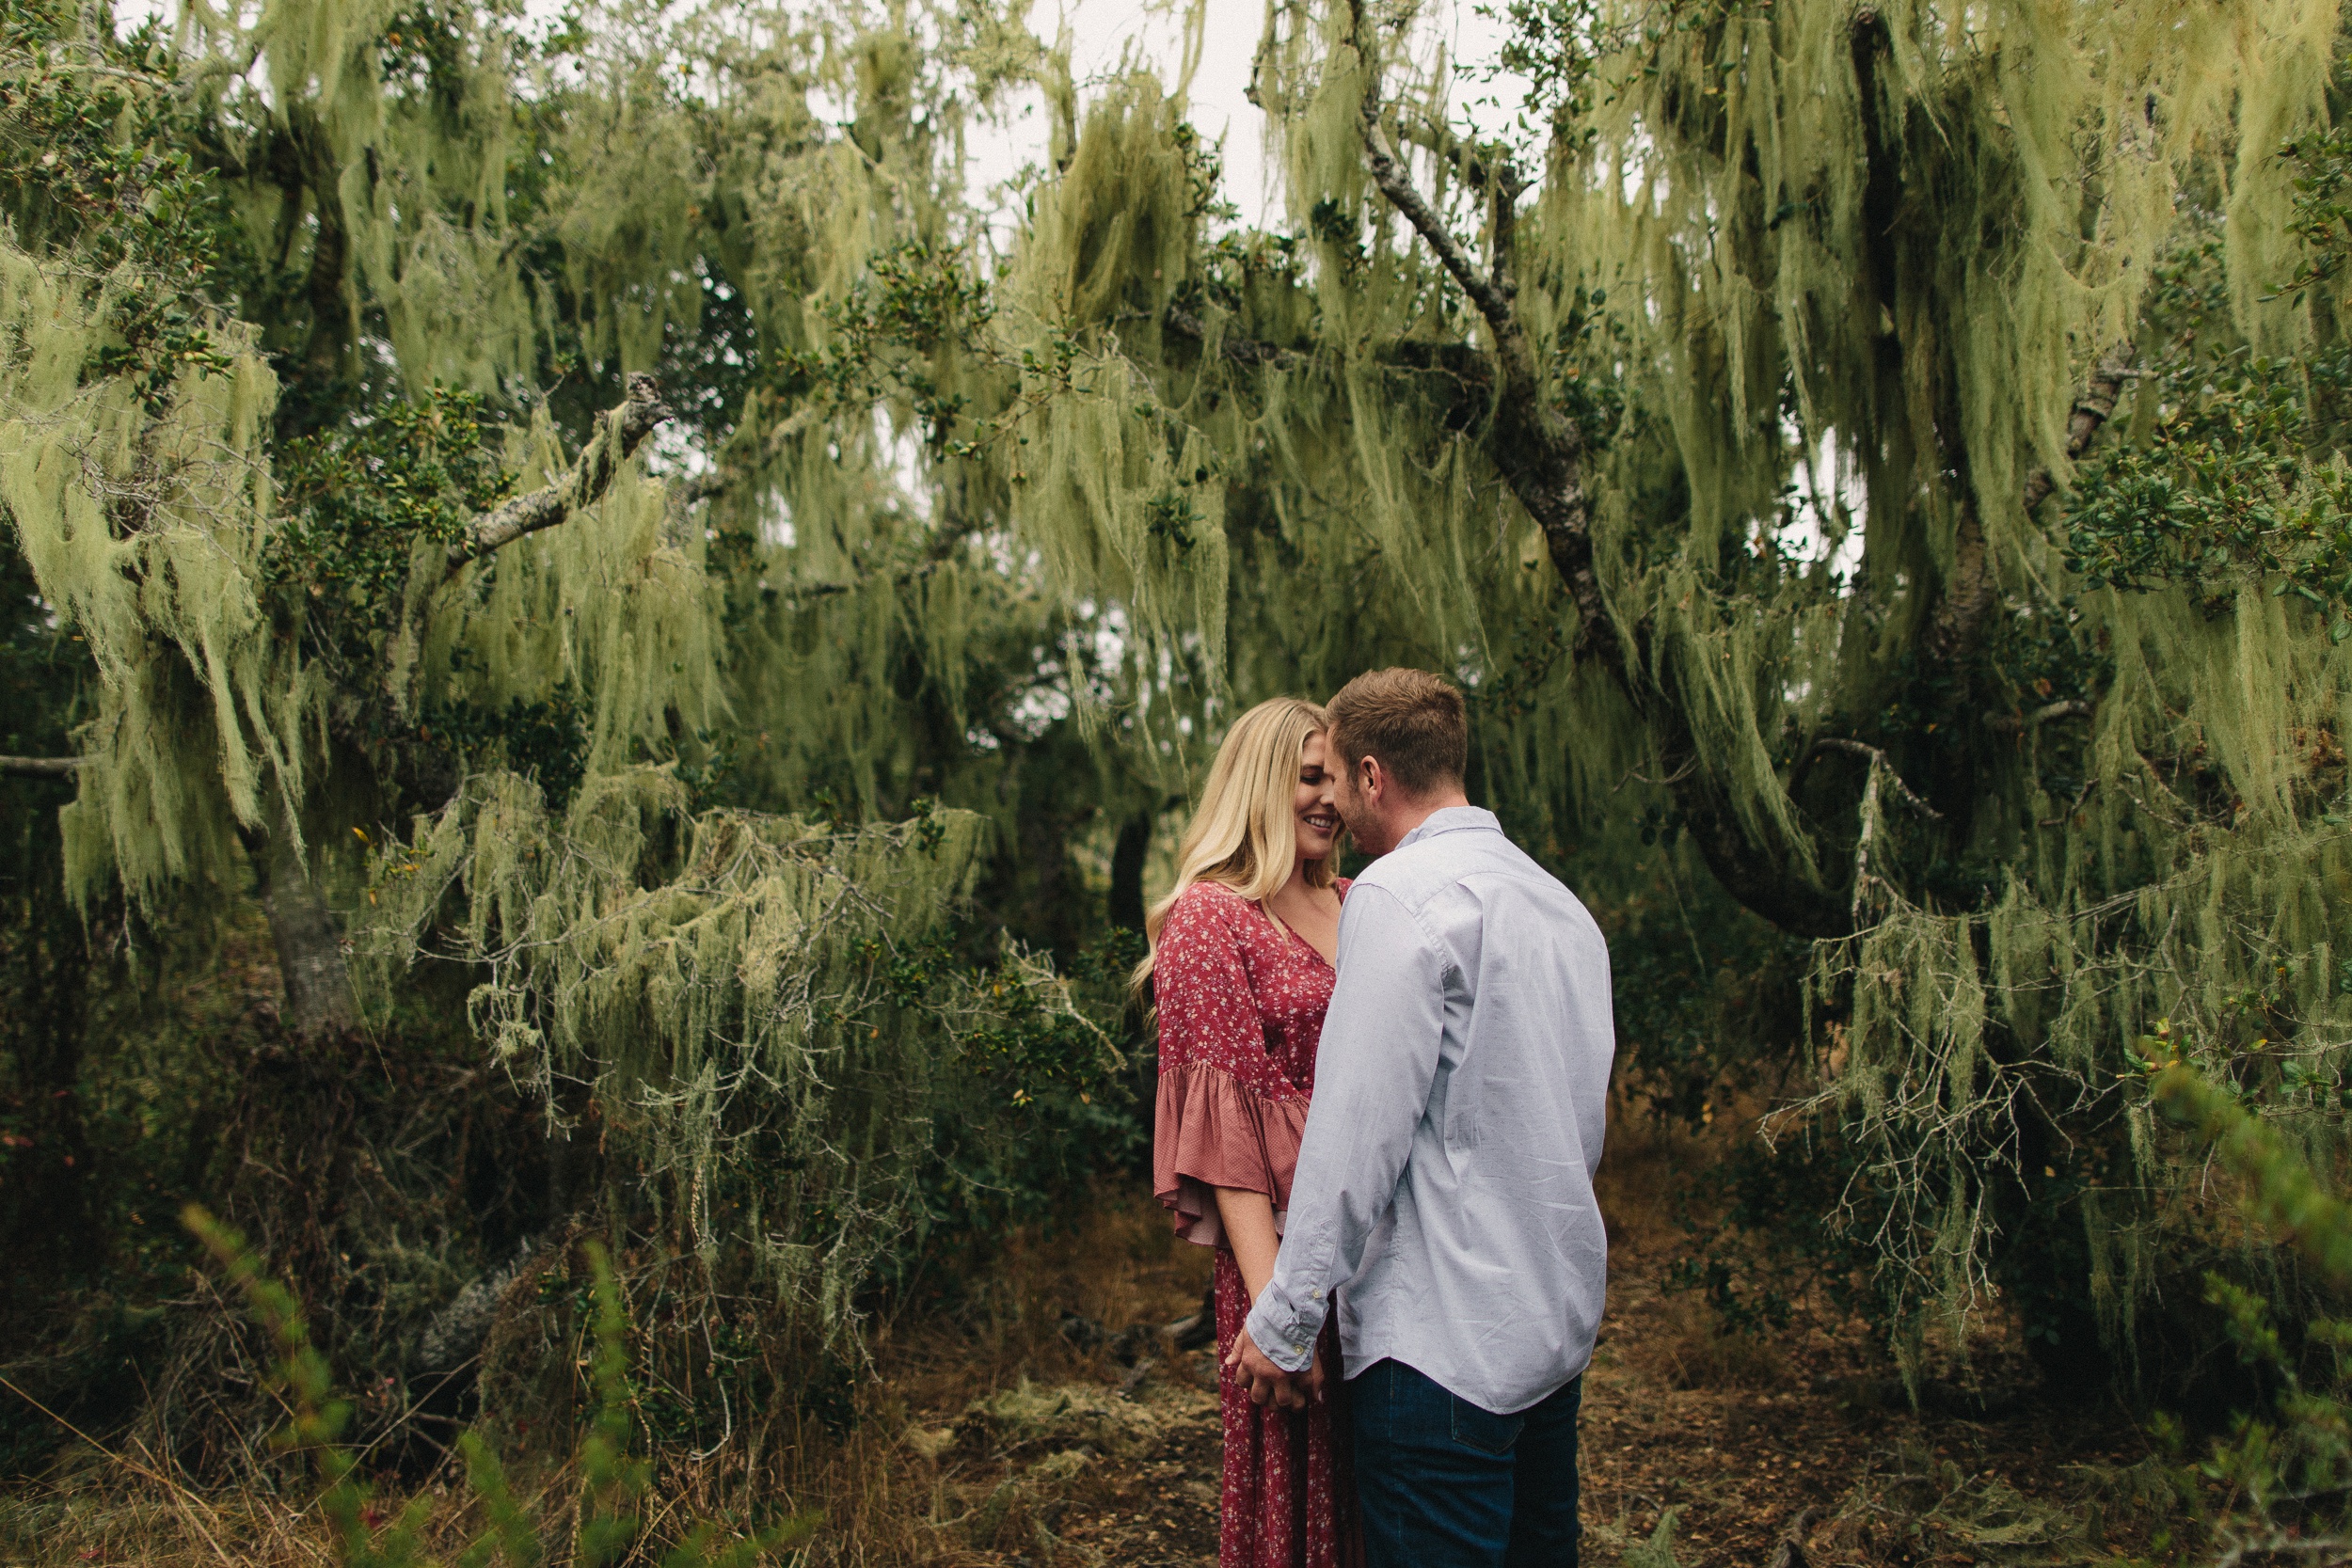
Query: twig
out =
(1672, 778)
(39, 767)
(2017, 723)
(1878, 759)
(2059, 820)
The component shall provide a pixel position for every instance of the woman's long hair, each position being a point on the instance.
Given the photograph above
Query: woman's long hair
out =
(1245, 833)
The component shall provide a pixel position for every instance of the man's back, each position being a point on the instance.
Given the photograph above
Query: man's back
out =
(1460, 1101)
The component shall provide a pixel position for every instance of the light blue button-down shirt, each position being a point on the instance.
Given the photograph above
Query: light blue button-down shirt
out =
(1445, 1183)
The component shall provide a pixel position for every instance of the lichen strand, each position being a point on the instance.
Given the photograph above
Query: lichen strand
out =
(742, 996)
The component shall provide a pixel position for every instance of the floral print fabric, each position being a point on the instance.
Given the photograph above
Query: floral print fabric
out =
(1241, 1003)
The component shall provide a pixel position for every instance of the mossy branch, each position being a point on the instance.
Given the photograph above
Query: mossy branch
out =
(1957, 624)
(617, 435)
(38, 767)
(2091, 411)
(1540, 453)
(1237, 350)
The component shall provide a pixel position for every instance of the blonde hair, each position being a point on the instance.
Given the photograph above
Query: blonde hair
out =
(1243, 832)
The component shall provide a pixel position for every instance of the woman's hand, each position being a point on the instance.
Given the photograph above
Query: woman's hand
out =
(1248, 1219)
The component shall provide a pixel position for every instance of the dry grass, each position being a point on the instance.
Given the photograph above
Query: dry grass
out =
(1687, 1346)
(980, 1420)
(988, 1437)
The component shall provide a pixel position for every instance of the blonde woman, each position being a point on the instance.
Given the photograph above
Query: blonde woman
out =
(1241, 973)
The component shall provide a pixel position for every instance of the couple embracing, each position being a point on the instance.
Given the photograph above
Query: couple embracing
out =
(1381, 1102)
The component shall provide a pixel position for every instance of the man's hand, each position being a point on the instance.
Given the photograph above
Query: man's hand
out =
(1287, 1390)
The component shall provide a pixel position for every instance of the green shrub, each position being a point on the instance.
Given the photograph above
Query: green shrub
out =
(2285, 1472)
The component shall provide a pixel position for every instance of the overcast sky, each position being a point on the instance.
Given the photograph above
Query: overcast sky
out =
(1101, 31)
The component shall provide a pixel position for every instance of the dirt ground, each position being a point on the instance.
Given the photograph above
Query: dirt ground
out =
(1700, 1448)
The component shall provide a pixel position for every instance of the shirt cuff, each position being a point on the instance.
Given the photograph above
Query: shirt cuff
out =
(1285, 1329)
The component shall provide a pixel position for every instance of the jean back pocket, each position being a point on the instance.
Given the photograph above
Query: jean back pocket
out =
(1479, 1428)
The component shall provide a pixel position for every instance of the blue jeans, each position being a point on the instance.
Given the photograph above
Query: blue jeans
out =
(1447, 1484)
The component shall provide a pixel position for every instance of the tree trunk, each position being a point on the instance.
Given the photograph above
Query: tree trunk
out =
(1127, 857)
(319, 998)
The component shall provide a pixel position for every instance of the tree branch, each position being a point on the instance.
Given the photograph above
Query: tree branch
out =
(39, 767)
(1468, 160)
(1539, 452)
(1969, 592)
(617, 434)
(2014, 723)
(1398, 187)
(1470, 373)
(2091, 410)
(1860, 749)
(1248, 352)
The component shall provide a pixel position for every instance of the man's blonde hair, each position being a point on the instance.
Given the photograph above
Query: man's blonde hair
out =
(1243, 832)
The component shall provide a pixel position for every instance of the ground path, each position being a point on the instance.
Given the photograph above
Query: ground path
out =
(1103, 1448)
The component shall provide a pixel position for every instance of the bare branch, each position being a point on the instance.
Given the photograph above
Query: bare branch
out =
(39, 767)
(1861, 749)
(1388, 174)
(617, 434)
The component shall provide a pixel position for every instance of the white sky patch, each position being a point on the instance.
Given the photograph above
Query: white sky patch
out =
(1105, 35)
(1829, 496)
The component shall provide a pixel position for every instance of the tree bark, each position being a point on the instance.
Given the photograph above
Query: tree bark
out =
(310, 961)
(1127, 857)
(326, 354)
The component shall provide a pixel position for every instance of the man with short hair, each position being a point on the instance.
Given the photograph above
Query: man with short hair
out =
(1444, 1195)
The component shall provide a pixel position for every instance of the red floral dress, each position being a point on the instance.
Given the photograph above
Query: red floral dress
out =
(1241, 1003)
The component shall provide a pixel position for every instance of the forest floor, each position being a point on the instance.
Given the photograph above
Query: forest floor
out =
(1701, 1448)
(1047, 1422)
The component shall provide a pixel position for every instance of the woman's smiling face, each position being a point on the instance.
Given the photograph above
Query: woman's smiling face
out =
(1310, 802)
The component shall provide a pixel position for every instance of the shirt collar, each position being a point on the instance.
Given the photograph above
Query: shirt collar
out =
(1454, 819)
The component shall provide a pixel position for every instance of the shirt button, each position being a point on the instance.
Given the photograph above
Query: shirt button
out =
(1299, 1349)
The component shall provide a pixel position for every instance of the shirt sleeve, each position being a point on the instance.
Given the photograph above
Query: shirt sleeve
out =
(1218, 1122)
(1373, 1070)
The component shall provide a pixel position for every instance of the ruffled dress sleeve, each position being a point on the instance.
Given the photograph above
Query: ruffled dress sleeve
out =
(1226, 1118)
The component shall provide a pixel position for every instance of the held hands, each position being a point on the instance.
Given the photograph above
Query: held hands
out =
(1287, 1390)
